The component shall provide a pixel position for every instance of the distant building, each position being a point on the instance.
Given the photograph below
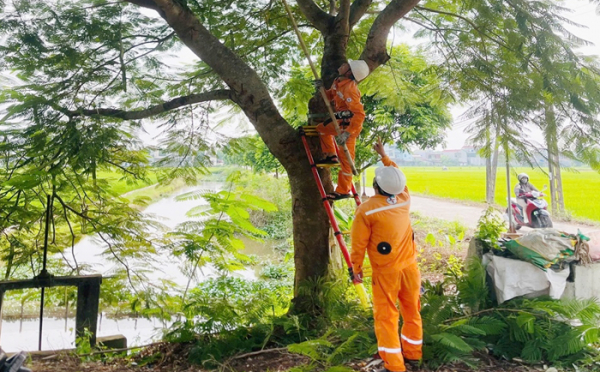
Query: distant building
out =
(467, 156)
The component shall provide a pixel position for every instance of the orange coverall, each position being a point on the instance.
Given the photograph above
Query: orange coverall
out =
(346, 97)
(382, 228)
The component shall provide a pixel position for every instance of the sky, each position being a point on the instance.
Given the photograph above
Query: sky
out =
(583, 13)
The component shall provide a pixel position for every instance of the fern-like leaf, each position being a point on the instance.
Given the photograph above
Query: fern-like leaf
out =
(452, 341)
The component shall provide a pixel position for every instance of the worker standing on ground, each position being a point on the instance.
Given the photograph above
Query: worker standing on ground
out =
(382, 228)
(346, 96)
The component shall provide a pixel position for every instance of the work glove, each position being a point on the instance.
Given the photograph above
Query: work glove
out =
(318, 84)
(344, 114)
(342, 138)
(358, 277)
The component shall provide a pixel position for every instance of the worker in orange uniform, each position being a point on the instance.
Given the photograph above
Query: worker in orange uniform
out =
(382, 228)
(346, 97)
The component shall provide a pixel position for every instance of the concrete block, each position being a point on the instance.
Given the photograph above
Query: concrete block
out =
(585, 282)
(113, 342)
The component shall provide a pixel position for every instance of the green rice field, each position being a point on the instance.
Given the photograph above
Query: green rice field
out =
(581, 186)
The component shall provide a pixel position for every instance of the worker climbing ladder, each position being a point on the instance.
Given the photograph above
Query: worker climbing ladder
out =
(311, 131)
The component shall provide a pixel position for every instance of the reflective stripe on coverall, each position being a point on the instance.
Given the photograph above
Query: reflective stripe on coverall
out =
(382, 228)
(346, 97)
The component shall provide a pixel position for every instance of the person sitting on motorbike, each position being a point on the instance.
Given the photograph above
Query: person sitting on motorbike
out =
(521, 189)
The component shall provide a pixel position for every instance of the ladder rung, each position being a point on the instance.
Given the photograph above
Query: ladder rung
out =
(327, 165)
(310, 130)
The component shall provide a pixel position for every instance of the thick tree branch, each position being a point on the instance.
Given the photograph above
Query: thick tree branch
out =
(222, 94)
(343, 17)
(344, 9)
(314, 14)
(248, 90)
(358, 9)
(375, 52)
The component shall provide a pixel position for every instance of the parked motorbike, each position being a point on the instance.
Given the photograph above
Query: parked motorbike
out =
(536, 211)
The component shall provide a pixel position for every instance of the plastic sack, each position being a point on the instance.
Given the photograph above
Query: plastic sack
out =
(542, 247)
(594, 244)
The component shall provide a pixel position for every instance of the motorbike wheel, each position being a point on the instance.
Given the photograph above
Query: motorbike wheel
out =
(536, 222)
(545, 221)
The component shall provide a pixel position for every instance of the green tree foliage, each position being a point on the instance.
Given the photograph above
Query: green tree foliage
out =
(252, 152)
(406, 103)
(516, 58)
(89, 72)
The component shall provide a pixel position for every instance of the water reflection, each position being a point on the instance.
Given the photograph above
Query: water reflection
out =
(89, 253)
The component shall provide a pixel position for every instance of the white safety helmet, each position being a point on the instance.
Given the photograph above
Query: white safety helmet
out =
(522, 175)
(390, 180)
(359, 68)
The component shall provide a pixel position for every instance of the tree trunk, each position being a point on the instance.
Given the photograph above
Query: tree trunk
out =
(556, 190)
(489, 194)
(552, 179)
(491, 169)
(334, 55)
(495, 156)
(559, 186)
(311, 235)
(511, 227)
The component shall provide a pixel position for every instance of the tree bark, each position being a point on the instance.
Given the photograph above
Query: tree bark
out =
(556, 190)
(489, 183)
(494, 169)
(358, 9)
(559, 186)
(311, 234)
(553, 204)
(375, 52)
(315, 15)
(491, 168)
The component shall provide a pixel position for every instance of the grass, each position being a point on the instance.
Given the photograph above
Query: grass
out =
(441, 244)
(140, 188)
(468, 183)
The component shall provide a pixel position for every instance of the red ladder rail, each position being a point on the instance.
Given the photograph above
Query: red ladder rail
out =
(336, 229)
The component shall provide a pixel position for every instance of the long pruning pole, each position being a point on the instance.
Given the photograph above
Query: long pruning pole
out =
(321, 89)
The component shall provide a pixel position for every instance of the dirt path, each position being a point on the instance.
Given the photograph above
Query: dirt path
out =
(468, 215)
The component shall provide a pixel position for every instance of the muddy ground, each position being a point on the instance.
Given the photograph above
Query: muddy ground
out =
(174, 358)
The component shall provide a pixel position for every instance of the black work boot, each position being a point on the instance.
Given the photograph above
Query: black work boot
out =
(328, 160)
(412, 364)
